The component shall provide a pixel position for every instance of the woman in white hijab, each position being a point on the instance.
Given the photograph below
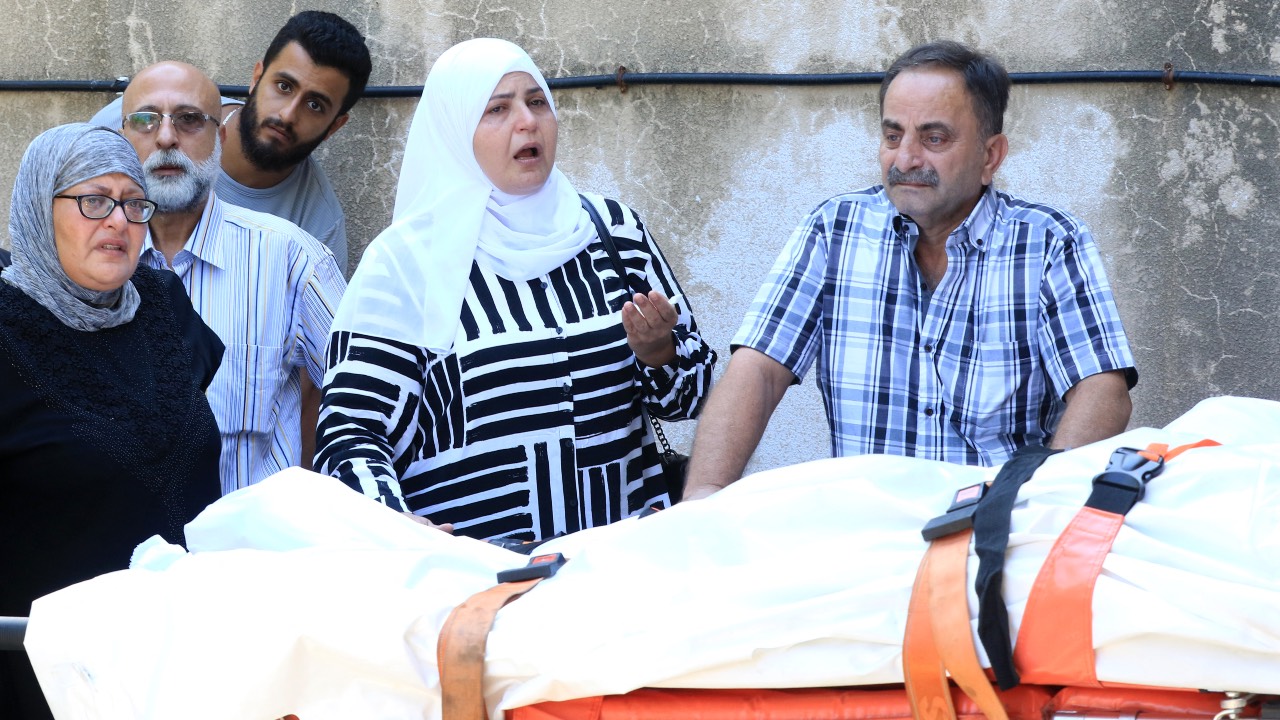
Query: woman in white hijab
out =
(489, 369)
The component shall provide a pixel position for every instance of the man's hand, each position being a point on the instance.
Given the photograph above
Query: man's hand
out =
(700, 491)
(648, 320)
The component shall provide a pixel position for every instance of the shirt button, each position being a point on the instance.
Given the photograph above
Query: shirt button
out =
(928, 412)
(544, 284)
(928, 347)
(979, 242)
(559, 331)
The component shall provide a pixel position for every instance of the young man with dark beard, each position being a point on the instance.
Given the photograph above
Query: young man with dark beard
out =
(266, 287)
(313, 73)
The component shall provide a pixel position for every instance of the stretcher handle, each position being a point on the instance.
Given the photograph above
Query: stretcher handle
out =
(12, 630)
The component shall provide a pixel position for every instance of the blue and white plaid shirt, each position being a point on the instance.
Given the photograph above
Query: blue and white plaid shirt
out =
(1023, 313)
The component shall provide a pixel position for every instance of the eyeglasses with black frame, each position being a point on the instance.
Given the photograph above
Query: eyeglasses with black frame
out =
(189, 122)
(97, 207)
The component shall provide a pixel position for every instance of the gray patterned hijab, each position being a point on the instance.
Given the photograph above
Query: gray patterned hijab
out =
(57, 159)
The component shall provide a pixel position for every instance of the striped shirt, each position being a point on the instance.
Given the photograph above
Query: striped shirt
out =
(1023, 313)
(269, 290)
(531, 425)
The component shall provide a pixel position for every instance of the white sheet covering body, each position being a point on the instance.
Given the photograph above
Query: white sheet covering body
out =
(300, 596)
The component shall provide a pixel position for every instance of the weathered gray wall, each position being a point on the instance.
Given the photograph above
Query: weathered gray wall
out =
(1178, 185)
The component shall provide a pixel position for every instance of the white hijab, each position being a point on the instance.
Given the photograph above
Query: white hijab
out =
(410, 283)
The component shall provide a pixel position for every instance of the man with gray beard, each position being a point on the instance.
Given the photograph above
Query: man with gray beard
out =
(311, 76)
(187, 190)
(265, 286)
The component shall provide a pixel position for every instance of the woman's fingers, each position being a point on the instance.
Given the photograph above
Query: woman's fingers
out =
(655, 310)
(443, 527)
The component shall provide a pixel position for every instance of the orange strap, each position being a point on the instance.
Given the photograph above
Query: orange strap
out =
(949, 611)
(1156, 450)
(1055, 642)
(923, 673)
(460, 649)
(939, 636)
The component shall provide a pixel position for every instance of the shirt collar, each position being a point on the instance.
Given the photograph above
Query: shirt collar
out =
(202, 243)
(982, 220)
(976, 228)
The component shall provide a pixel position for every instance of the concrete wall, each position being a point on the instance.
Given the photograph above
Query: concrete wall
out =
(1178, 185)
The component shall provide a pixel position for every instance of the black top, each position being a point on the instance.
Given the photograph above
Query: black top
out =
(106, 437)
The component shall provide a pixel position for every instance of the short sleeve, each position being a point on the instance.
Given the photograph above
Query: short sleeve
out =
(785, 318)
(1080, 329)
(318, 301)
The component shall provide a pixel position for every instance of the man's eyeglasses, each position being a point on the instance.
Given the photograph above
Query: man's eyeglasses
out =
(189, 122)
(97, 207)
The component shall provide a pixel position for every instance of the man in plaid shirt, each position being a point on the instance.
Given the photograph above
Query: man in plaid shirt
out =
(949, 320)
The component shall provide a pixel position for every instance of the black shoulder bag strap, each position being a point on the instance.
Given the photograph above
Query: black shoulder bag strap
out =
(606, 237)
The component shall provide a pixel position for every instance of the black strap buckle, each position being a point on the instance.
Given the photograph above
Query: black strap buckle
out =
(540, 566)
(1118, 488)
(959, 516)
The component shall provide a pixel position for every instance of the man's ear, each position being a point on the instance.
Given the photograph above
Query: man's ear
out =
(337, 124)
(997, 150)
(257, 75)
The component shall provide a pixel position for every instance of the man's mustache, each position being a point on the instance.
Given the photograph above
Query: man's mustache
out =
(278, 123)
(923, 176)
(169, 157)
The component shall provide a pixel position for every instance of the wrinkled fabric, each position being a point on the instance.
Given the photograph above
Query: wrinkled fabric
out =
(795, 577)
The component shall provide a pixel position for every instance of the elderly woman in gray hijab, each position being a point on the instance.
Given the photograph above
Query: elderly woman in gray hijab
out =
(106, 437)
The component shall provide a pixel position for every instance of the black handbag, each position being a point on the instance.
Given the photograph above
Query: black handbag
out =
(674, 464)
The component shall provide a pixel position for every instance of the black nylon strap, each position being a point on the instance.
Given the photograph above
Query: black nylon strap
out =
(606, 237)
(1113, 498)
(991, 540)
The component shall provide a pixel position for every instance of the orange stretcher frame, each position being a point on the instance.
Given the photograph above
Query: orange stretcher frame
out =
(938, 616)
(1025, 702)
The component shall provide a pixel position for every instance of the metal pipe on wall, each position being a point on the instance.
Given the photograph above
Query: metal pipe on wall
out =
(624, 78)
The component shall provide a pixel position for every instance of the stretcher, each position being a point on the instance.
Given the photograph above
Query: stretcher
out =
(786, 595)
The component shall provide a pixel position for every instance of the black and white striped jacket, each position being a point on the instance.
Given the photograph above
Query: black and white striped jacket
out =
(531, 425)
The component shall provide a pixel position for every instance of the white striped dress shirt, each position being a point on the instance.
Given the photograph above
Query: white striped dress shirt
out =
(269, 290)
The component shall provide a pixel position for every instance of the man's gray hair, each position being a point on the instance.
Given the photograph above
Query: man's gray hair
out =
(985, 79)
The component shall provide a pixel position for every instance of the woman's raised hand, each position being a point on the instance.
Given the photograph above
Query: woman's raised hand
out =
(648, 320)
